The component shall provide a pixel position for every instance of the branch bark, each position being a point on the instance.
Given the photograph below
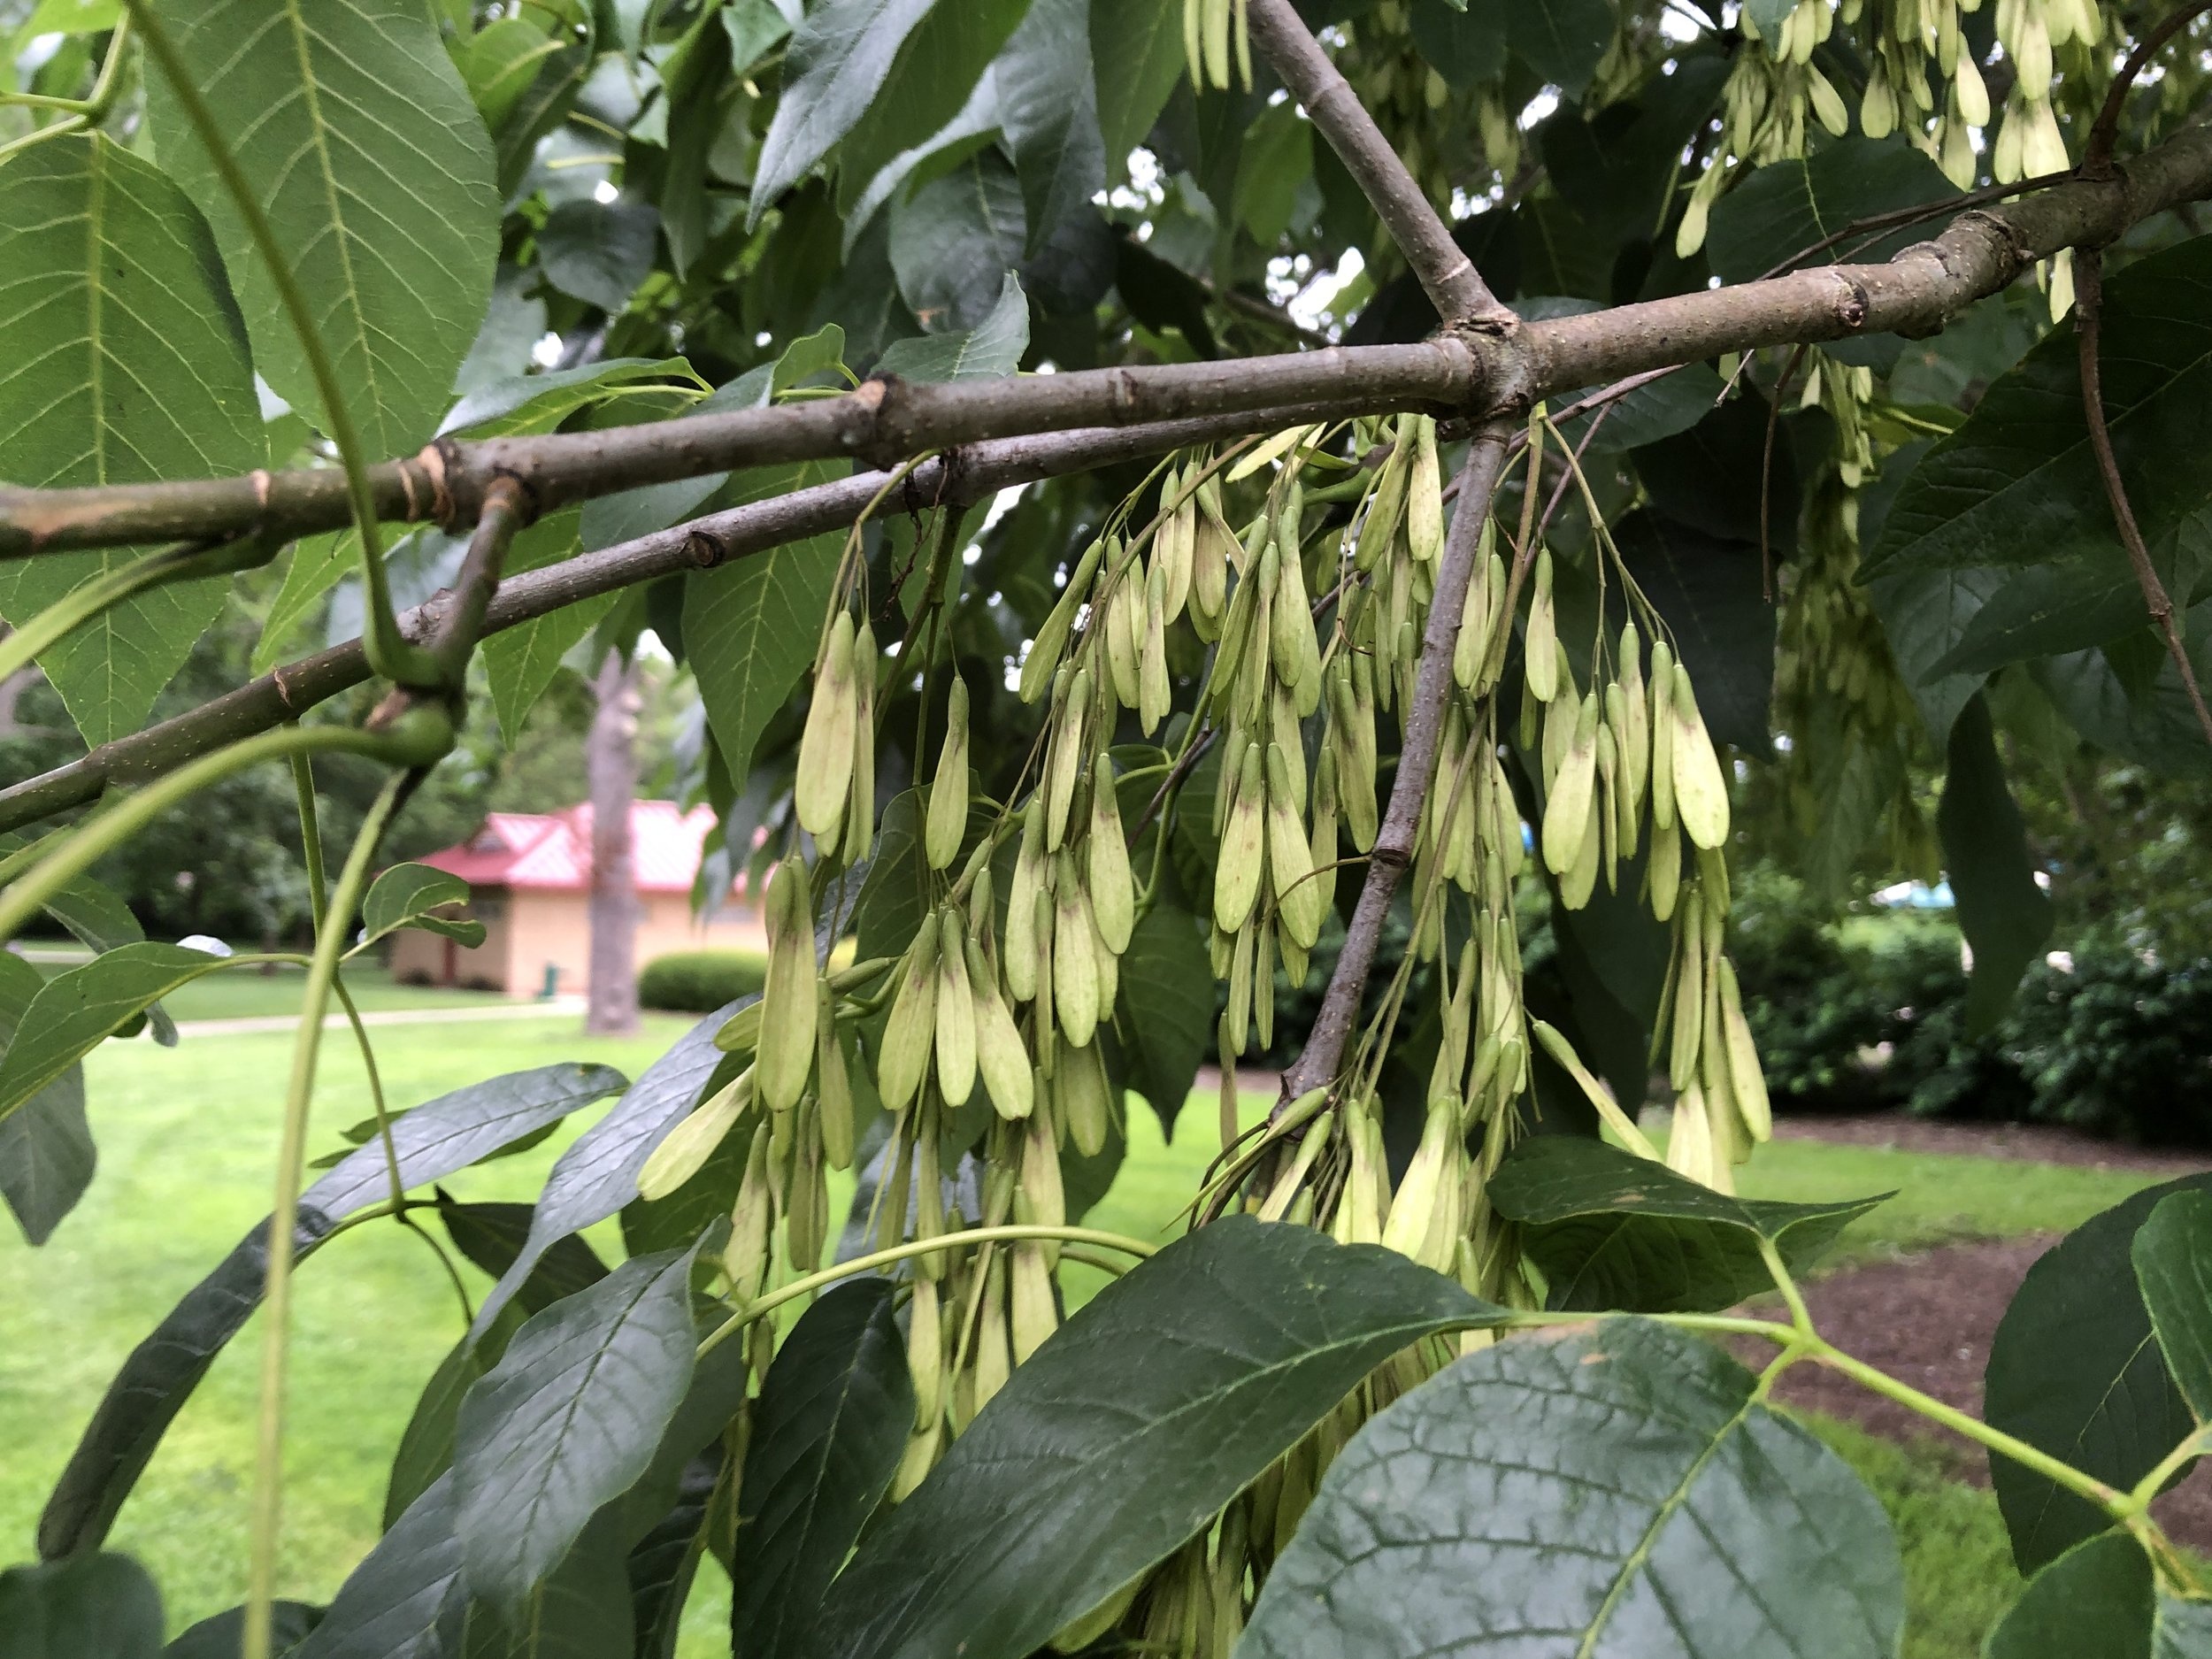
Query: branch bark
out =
(1471, 374)
(1444, 271)
(1395, 840)
(961, 478)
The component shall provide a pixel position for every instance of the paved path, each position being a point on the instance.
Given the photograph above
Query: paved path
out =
(571, 1006)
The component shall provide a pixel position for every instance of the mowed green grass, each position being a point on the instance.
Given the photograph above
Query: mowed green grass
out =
(261, 993)
(187, 1140)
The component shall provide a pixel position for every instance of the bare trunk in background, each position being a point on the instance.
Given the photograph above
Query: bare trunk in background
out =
(611, 757)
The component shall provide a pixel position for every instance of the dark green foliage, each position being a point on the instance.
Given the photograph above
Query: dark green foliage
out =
(696, 981)
(2118, 1046)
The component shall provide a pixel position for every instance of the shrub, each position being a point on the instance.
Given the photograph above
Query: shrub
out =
(2120, 1047)
(700, 981)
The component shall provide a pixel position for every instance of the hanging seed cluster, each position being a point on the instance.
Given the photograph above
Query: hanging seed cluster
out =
(1922, 82)
(986, 1038)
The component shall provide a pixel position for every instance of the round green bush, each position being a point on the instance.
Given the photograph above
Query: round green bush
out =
(700, 981)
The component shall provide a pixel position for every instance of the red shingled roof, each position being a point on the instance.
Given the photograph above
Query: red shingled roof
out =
(551, 852)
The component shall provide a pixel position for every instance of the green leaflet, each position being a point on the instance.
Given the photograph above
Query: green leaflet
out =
(954, 241)
(46, 1151)
(2099, 1601)
(1612, 1230)
(122, 360)
(992, 348)
(2002, 912)
(2017, 484)
(1786, 206)
(1167, 991)
(1561, 39)
(751, 626)
(433, 1140)
(1138, 47)
(2173, 1268)
(520, 661)
(927, 82)
(99, 1605)
(832, 1419)
(1124, 1433)
(409, 895)
(74, 1012)
(1614, 1493)
(377, 176)
(836, 64)
(567, 1421)
(2075, 1370)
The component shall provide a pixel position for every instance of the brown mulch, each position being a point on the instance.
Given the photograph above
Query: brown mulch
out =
(2031, 1143)
(1927, 1320)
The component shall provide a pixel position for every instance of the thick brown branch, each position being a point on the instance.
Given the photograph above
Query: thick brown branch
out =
(1444, 271)
(963, 478)
(881, 423)
(1393, 847)
(1471, 374)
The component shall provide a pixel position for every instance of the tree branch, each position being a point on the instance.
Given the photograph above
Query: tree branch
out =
(961, 476)
(2088, 311)
(1393, 851)
(1444, 271)
(1471, 374)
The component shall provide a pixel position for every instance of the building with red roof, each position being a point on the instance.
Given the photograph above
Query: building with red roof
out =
(529, 877)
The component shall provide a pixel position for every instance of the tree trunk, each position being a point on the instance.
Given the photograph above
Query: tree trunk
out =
(611, 759)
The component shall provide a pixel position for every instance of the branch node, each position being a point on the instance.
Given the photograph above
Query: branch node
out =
(1851, 303)
(872, 438)
(704, 550)
(441, 461)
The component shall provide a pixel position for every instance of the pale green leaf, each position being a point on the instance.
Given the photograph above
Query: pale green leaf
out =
(1138, 47)
(74, 1012)
(994, 347)
(837, 62)
(522, 661)
(568, 1420)
(377, 176)
(409, 895)
(87, 1606)
(931, 81)
(751, 626)
(2004, 914)
(1613, 1493)
(122, 360)
(46, 1151)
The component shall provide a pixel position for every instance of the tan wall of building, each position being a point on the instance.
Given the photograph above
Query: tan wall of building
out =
(525, 932)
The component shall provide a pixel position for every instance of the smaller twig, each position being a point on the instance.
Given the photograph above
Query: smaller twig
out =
(1899, 217)
(2096, 156)
(2088, 323)
(1766, 476)
(454, 641)
(1443, 269)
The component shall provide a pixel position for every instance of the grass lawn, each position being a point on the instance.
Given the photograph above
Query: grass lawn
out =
(186, 1142)
(250, 993)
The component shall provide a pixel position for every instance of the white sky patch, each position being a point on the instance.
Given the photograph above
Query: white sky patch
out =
(1311, 303)
(547, 352)
(1539, 108)
(605, 192)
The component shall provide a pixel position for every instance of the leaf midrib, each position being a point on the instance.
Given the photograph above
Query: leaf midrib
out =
(1044, 1492)
(1669, 1508)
